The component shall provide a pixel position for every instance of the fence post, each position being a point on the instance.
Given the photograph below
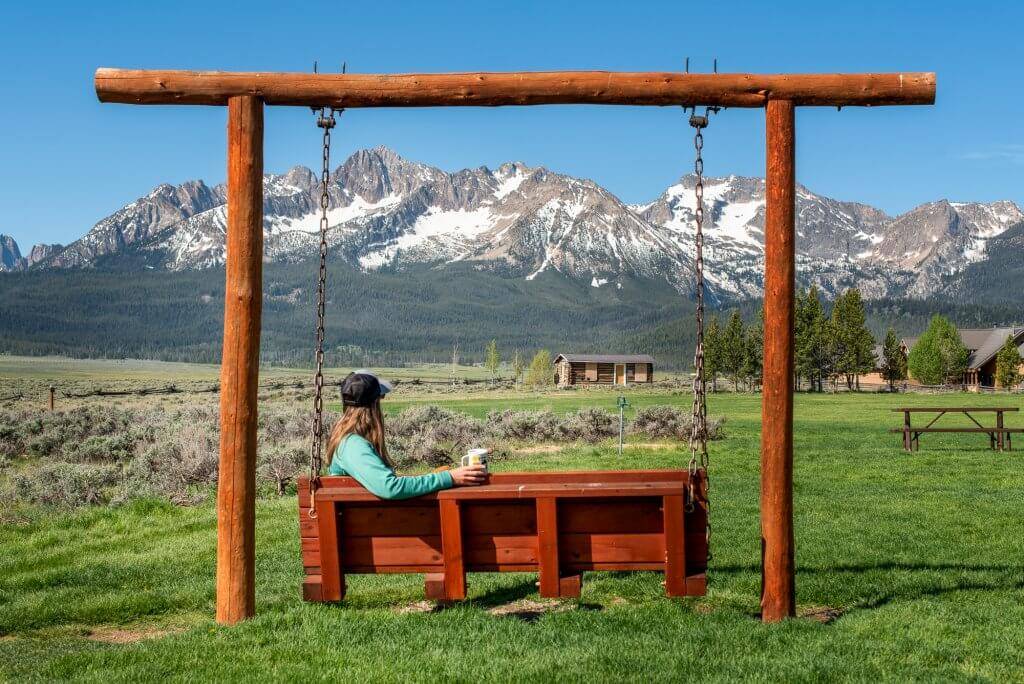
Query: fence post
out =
(53, 393)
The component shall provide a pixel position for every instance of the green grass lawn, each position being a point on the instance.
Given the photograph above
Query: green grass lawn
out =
(916, 558)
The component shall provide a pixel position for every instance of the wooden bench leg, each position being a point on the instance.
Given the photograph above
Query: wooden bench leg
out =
(570, 586)
(673, 511)
(451, 550)
(433, 586)
(332, 580)
(547, 547)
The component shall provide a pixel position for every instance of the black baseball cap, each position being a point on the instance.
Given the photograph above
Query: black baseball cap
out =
(362, 388)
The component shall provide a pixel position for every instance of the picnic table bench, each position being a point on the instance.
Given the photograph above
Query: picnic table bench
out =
(1000, 436)
(557, 524)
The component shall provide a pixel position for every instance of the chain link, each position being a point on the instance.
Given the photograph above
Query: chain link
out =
(326, 121)
(698, 466)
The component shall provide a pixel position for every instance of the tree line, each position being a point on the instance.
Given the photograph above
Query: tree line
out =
(828, 346)
(833, 346)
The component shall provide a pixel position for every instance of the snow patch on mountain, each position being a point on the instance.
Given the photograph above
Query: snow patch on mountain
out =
(386, 211)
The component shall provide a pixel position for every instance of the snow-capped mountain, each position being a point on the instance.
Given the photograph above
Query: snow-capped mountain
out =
(389, 212)
(939, 239)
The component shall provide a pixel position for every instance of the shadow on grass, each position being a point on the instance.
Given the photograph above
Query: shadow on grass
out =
(1007, 577)
(497, 597)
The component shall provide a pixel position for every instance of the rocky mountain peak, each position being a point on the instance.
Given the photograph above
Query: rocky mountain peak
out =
(387, 211)
(10, 254)
(11, 258)
(299, 178)
(42, 252)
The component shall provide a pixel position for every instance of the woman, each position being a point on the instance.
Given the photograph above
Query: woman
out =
(358, 449)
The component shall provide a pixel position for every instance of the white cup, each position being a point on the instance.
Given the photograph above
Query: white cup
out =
(476, 457)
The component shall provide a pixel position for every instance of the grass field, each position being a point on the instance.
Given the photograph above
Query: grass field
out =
(910, 568)
(58, 368)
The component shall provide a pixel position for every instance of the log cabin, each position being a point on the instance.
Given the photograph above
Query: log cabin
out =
(603, 369)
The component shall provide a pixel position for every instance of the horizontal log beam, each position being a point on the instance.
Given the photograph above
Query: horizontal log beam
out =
(130, 86)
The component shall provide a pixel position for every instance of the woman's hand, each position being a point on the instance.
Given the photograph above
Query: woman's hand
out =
(468, 476)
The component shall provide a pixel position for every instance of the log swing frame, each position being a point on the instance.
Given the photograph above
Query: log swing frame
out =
(246, 94)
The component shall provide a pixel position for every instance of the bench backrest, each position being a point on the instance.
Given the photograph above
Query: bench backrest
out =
(606, 520)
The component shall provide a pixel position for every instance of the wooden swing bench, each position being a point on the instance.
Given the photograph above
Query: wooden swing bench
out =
(557, 524)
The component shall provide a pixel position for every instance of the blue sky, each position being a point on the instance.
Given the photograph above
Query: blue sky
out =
(67, 161)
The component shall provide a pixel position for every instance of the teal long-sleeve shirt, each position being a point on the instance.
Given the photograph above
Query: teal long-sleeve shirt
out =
(357, 458)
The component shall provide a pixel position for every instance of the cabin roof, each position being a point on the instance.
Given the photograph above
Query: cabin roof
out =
(606, 358)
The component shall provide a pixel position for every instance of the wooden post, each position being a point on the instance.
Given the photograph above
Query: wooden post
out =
(547, 547)
(674, 515)
(332, 579)
(53, 397)
(451, 550)
(239, 377)
(778, 598)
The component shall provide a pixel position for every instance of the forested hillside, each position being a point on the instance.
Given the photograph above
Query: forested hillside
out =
(380, 318)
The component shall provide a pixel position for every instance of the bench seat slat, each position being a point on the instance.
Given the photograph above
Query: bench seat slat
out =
(522, 491)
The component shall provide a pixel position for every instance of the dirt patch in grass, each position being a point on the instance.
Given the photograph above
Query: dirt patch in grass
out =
(822, 614)
(529, 610)
(123, 635)
(419, 607)
(541, 449)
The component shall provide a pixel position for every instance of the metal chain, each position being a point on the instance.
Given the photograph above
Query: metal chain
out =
(698, 466)
(325, 120)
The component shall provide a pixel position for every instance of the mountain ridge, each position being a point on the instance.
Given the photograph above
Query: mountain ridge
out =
(389, 213)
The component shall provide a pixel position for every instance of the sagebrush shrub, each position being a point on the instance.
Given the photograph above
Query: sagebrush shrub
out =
(101, 449)
(588, 425)
(591, 425)
(540, 426)
(65, 484)
(670, 422)
(431, 435)
(180, 466)
(280, 466)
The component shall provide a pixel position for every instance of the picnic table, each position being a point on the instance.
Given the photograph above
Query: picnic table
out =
(1000, 436)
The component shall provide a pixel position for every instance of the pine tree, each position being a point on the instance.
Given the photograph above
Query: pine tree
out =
(712, 352)
(1008, 362)
(799, 338)
(855, 346)
(810, 344)
(831, 351)
(753, 352)
(821, 362)
(541, 372)
(894, 363)
(492, 360)
(732, 348)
